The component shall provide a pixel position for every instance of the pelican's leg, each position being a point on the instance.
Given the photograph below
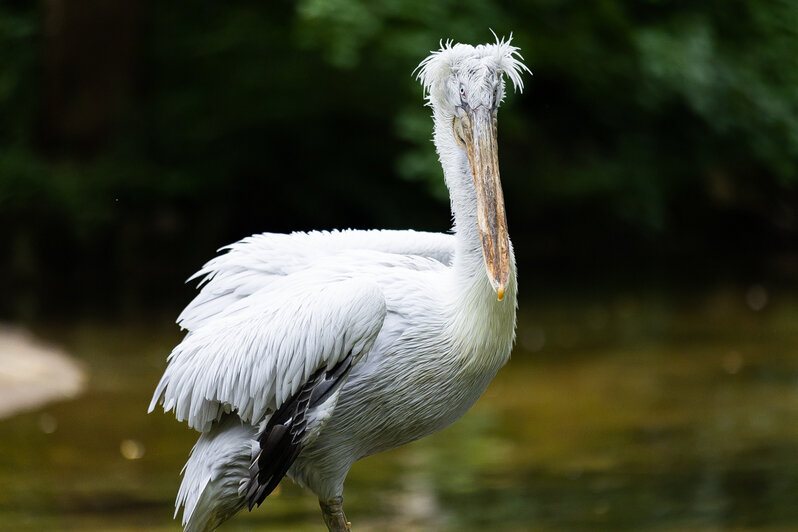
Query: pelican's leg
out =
(333, 512)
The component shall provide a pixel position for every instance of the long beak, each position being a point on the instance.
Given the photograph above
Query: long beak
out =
(475, 129)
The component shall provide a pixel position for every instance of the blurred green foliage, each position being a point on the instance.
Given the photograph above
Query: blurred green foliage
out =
(137, 138)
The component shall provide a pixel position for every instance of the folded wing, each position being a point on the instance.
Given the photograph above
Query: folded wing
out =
(261, 349)
(255, 262)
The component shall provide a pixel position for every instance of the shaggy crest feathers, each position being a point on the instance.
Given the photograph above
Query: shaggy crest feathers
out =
(501, 57)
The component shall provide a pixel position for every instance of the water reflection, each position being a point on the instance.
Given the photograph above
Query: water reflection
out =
(627, 412)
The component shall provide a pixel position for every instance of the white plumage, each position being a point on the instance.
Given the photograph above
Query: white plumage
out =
(309, 351)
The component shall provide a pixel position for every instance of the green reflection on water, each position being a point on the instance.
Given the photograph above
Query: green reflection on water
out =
(639, 412)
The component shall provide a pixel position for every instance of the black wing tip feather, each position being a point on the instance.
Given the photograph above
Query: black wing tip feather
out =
(281, 441)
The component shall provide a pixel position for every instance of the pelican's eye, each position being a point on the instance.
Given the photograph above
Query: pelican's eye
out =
(462, 92)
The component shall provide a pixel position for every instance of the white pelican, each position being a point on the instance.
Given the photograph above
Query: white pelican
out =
(306, 352)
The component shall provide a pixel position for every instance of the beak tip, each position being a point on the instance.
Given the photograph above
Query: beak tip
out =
(500, 293)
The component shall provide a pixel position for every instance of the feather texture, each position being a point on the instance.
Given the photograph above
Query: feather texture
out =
(256, 261)
(214, 474)
(259, 350)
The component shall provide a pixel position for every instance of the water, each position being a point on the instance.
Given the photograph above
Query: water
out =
(639, 411)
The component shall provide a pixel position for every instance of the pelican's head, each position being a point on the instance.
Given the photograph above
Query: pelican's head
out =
(464, 85)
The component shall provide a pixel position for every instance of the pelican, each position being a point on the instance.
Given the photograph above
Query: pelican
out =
(306, 352)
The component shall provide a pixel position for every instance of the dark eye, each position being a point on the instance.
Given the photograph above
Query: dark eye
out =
(462, 92)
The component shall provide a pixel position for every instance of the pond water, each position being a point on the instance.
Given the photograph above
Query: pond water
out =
(639, 411)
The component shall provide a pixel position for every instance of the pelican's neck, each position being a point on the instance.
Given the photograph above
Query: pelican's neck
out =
(469, 264)
(483, 326)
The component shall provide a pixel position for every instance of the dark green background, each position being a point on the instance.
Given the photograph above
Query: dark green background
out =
(656, 140)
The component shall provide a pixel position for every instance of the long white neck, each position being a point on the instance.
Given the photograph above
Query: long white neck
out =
(469, 264)
(483, 326)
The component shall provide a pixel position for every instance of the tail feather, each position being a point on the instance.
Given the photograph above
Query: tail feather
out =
(216, 474)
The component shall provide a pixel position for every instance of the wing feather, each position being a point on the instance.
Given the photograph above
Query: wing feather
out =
(253, 263)
(260, 350)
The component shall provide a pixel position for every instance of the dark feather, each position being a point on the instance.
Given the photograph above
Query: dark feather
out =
(281, 441)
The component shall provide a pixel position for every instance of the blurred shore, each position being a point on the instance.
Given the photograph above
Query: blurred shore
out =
(33, 374)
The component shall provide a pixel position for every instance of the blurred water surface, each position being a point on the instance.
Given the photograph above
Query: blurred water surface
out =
(640, 411)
